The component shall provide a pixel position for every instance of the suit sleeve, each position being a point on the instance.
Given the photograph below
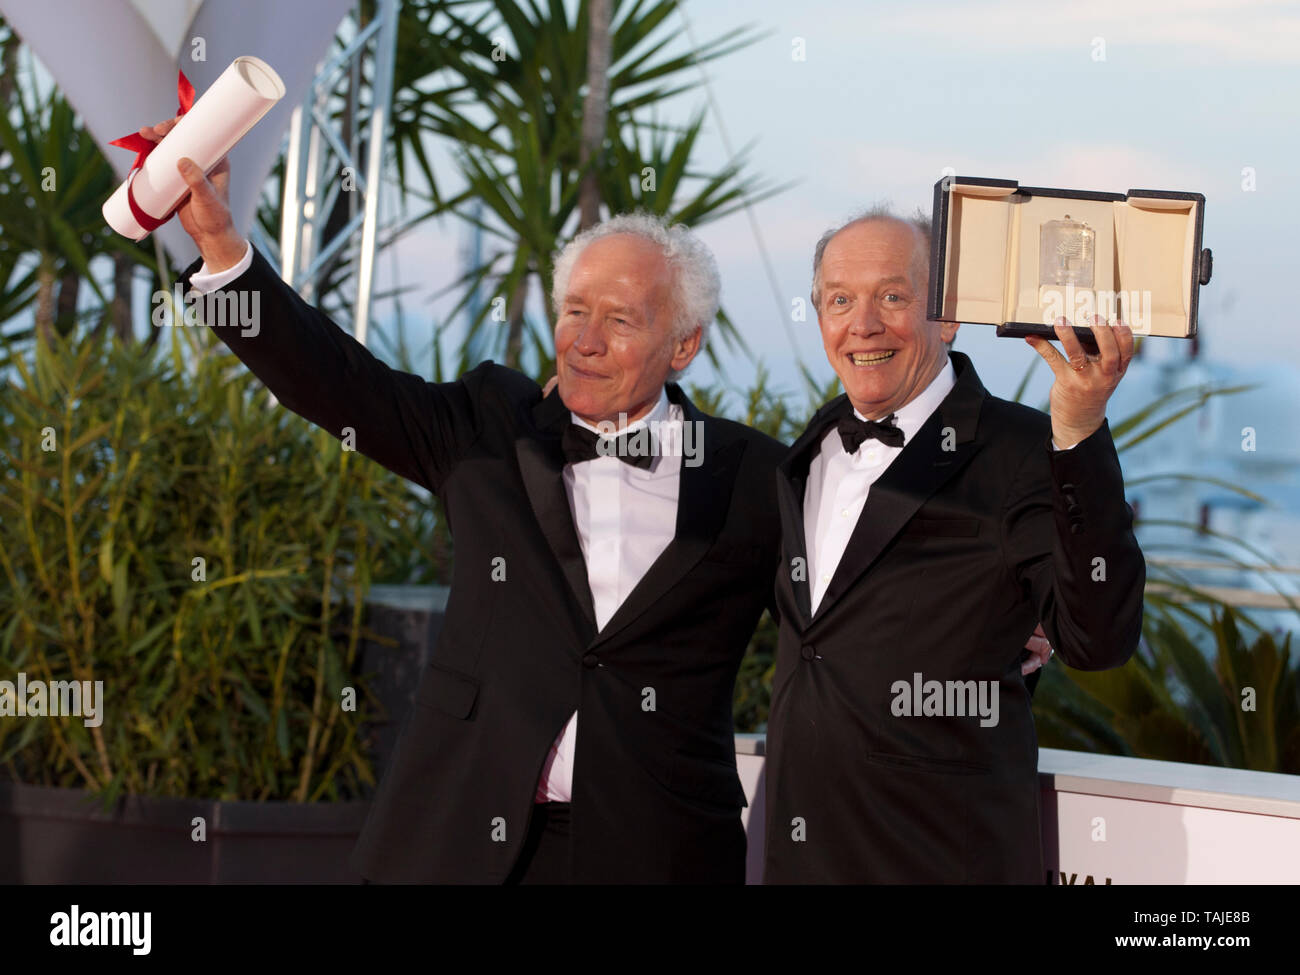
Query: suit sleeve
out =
(413, 427)
(1068, 540)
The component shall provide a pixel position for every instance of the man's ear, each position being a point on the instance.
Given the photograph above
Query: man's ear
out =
(949, 332)
(684, 350)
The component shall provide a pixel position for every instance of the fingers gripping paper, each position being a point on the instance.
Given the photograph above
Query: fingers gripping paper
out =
(234, 103)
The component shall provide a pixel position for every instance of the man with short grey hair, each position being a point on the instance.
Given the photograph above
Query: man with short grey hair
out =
(926, 526)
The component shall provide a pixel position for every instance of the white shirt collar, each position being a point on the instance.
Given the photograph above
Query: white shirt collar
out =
(658, 414)
(911, 416)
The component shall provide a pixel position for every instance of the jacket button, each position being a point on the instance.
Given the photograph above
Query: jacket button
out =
(1076, 528)
(807, 653)
(1067, 488)
(1074, 509)
(590, 660)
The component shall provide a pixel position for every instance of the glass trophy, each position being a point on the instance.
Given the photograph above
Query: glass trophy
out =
(1066, 250)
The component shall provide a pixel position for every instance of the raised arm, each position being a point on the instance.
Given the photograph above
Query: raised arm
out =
(1068, 537)
(1067, 531)
(413, 427)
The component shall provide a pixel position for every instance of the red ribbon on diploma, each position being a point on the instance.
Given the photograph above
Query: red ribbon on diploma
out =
(142, 147)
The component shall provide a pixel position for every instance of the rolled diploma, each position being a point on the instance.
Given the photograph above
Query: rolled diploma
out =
(218, 119)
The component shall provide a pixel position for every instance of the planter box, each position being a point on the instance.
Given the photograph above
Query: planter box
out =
(64, 836)
(412, 616)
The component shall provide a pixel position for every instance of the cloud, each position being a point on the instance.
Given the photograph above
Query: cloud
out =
(858, 175)
(1203, 30)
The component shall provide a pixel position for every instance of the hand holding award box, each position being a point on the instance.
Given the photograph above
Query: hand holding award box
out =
(206, 131)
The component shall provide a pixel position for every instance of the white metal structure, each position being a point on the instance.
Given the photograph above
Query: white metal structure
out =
(319, 165)
(116, 61)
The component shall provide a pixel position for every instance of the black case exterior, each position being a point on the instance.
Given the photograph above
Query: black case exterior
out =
(939, 248)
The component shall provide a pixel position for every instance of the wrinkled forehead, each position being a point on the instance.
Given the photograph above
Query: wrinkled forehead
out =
(625, 256)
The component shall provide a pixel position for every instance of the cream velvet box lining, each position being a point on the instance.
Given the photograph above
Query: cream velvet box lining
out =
(1147, 262)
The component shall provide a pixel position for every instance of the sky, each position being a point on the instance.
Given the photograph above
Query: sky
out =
(1200, 96)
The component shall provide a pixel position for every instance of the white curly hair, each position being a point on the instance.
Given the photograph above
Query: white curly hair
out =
(697, 286)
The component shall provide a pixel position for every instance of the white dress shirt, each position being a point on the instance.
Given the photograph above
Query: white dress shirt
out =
(204, 281)
(839, 482)
(625, 517)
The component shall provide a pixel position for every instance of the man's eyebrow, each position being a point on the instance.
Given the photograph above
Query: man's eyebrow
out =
(627, 311)
(894, 279)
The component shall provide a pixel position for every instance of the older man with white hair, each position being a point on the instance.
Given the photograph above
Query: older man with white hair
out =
(575, 722)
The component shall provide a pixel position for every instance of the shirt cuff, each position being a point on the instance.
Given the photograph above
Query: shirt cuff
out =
(203, 281)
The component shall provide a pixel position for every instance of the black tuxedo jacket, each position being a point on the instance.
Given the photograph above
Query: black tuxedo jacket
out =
(972, 535)
(656, 797)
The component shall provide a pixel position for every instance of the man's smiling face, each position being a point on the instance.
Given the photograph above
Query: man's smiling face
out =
(874, 276)
(614, 341)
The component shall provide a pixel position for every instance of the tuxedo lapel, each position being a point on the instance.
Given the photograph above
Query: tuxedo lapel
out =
(791, 478)
(941, 448)
(541, 463)
(703, 499)
(794, 550)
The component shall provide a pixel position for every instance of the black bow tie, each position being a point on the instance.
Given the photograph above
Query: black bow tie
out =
(853, 431)
(580, 444)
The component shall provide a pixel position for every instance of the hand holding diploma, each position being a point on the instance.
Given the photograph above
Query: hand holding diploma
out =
(202, 133)
(205, 211)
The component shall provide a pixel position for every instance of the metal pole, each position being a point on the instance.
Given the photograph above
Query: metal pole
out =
(312, 217)
(382, 95)
(291, 210)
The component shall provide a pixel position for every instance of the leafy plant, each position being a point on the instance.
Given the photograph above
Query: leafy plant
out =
(1240, 708)
(167, 530)
(53, 182)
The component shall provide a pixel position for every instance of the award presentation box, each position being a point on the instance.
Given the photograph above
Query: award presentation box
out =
(1020, 257)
